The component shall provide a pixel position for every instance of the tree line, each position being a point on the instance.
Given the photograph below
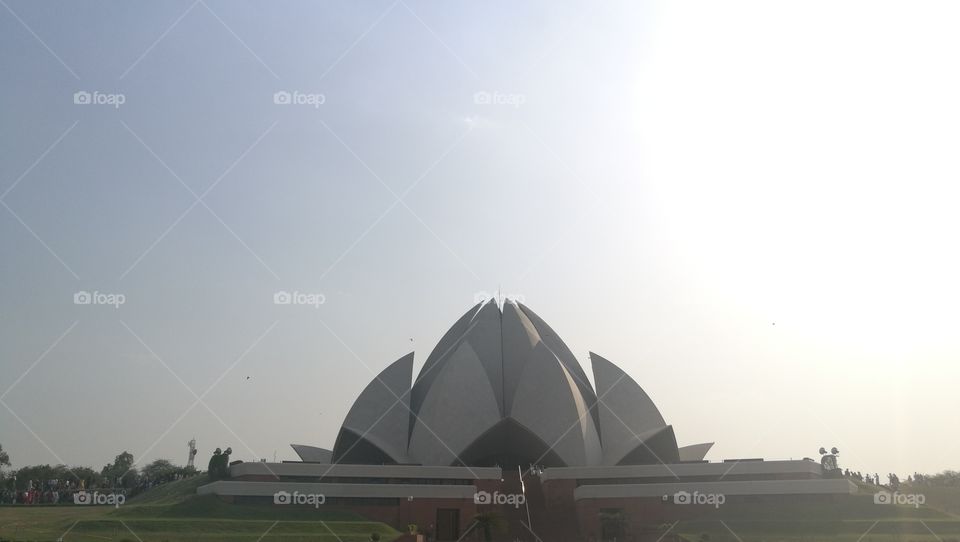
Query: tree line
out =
(121, 474)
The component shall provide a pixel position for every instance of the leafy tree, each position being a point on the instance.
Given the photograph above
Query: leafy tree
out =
(161, 469)
(41, 473)
(4, 462)
(121, 471)
(90, 477)
(947, 478)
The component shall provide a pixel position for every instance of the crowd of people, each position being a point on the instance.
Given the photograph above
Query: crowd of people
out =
(46, 492)
(860, 477)
(62, 491)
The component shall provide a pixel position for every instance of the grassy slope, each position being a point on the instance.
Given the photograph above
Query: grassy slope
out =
(171, 493)
(174, 513)
(856, 520)
(945, 499)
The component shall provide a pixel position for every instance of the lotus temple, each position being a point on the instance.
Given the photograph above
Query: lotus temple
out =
(502, 418)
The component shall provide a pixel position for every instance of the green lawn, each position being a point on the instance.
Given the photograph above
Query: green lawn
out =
(856, 520)
(884, 530)
(174, 513)
(946, 499)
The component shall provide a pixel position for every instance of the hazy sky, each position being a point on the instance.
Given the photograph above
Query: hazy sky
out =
(750, 206)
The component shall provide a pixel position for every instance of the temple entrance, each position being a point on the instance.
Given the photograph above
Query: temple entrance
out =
(448, 524)
(612, 523)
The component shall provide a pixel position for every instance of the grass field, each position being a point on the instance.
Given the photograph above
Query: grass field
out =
(857, 520)
(811, 529)
(174, 513)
